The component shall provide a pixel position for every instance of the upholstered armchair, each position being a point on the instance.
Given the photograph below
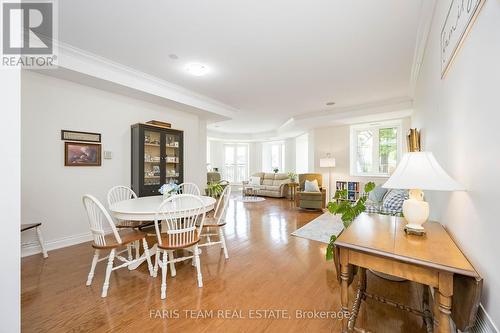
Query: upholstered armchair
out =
(215, 177)
(311, 200)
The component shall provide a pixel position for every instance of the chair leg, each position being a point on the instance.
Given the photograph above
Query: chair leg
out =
(148, 257)
(137, 245)
(157, 258)
(92, 267)
(40, 240)
(164, 268)
(173, 272)
(109, 268)
(129, 252)
(223, 242)
(198, 268)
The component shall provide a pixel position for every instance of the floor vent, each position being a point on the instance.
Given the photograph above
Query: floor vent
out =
(483, 323)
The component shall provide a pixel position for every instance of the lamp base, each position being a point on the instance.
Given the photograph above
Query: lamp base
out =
(410, 231)
(416, 210)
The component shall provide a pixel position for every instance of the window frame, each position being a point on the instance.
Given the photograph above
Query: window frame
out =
(353, 144)
(235, 165)
(267, 148)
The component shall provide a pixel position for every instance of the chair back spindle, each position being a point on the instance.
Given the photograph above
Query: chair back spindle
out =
(184, 215)
(120, 193)
(189, 188)
(221, 208)
(98, 218)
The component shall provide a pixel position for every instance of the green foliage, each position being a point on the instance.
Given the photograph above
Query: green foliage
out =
(292, 176)
(348, 211)
(214, 189)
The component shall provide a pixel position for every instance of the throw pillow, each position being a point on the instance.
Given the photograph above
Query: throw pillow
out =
(377, 195)
(254, 181)
(311, 186)
(394, 199)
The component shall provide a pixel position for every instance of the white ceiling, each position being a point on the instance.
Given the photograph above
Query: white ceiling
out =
(270, 60)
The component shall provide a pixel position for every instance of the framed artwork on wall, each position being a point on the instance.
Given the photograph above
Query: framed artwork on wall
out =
(80, 136)
(458, 22)
(82, 154)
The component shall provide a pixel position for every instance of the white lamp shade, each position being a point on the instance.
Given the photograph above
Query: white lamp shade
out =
(420, 170)
(328, 162)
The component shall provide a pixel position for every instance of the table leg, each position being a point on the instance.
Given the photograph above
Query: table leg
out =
(142, 259)
(443, 297)
(344, 288)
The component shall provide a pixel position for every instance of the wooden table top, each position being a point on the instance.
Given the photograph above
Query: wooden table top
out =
(384, 235)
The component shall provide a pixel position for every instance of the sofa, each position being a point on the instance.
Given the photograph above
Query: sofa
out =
(386, 201)
(310, 200)
(271, 184)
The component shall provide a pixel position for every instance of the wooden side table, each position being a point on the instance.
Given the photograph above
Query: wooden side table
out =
(379, 243)
(293, 190)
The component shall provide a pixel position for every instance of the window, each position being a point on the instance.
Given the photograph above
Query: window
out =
(236, 162)
(273, 156)
(375, 148)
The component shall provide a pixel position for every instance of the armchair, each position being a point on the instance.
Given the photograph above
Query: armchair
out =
(215, 177)
(310, 200)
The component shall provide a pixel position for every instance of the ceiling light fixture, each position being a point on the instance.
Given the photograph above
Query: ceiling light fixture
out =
(197, 69)
(330, 103)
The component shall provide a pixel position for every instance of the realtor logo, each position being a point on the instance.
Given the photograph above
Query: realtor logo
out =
(28, 31)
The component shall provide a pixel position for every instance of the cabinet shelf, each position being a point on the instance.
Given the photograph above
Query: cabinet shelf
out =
(143, 150)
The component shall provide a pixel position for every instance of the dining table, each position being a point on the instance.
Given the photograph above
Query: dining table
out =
(146, 209)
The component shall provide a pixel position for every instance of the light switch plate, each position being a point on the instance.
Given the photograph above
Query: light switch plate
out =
(108, 155)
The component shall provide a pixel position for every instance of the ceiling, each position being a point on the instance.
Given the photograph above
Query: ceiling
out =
(269, 60)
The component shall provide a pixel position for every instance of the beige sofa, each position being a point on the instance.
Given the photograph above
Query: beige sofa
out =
(272, 184)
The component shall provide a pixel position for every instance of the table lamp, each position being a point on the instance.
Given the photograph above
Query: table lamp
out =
(328, 162)
(419, 171)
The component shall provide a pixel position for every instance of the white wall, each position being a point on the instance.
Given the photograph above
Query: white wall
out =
(51, 192)
(302, 154)
(10, 198)
(459, 119)
(336, 141)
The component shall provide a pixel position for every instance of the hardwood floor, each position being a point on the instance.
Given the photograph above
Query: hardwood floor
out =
(268, 269)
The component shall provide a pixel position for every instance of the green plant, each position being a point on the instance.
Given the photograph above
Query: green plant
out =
(349, 211)
(275, 169)
(292, 176)
(214, 189)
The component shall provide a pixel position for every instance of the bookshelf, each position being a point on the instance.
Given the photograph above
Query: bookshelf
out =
(353, 189)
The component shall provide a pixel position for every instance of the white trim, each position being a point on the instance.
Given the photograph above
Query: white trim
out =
(424, 28)
(33, 247)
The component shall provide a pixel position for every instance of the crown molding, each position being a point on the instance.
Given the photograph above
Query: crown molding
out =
(86, 64)
(424, 28)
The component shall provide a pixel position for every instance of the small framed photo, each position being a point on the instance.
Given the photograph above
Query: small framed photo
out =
(82, 154)
(80, 136)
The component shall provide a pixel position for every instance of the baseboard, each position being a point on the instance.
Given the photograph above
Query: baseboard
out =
(31, 248)
(484, 324)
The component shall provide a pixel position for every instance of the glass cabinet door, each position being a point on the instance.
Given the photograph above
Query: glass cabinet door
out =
(172, 157)
(152, 158)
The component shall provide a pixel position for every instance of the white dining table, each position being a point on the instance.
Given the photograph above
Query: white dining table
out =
(146, 208)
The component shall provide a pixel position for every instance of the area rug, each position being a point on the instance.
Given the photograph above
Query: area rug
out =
(250, 199)
(321, 228)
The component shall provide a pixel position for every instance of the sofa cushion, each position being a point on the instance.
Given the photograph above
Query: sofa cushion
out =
(260, 175)
(254, 180)
(268, 179)
(311, 186)
(393, 200)
(377, 195)
(270, 187)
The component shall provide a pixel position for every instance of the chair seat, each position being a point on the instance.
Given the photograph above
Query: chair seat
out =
(29, 226)
(127, 236)
(212, 222)
(165, 245)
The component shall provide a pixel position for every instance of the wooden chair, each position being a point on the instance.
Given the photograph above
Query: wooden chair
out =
(36, 226)
(98, 218)
(217, 222)
(189, 188)
(121, 193)
(180, 233)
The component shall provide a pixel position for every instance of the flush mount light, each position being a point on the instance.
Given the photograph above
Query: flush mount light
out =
(197, 69)
(330, 103)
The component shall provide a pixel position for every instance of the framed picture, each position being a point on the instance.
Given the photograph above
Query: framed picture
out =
(458, 22)
(82, 154)
(80, 136)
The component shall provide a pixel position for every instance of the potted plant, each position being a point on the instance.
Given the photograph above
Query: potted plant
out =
(292, 176)
(275, 169)
(214, 189)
